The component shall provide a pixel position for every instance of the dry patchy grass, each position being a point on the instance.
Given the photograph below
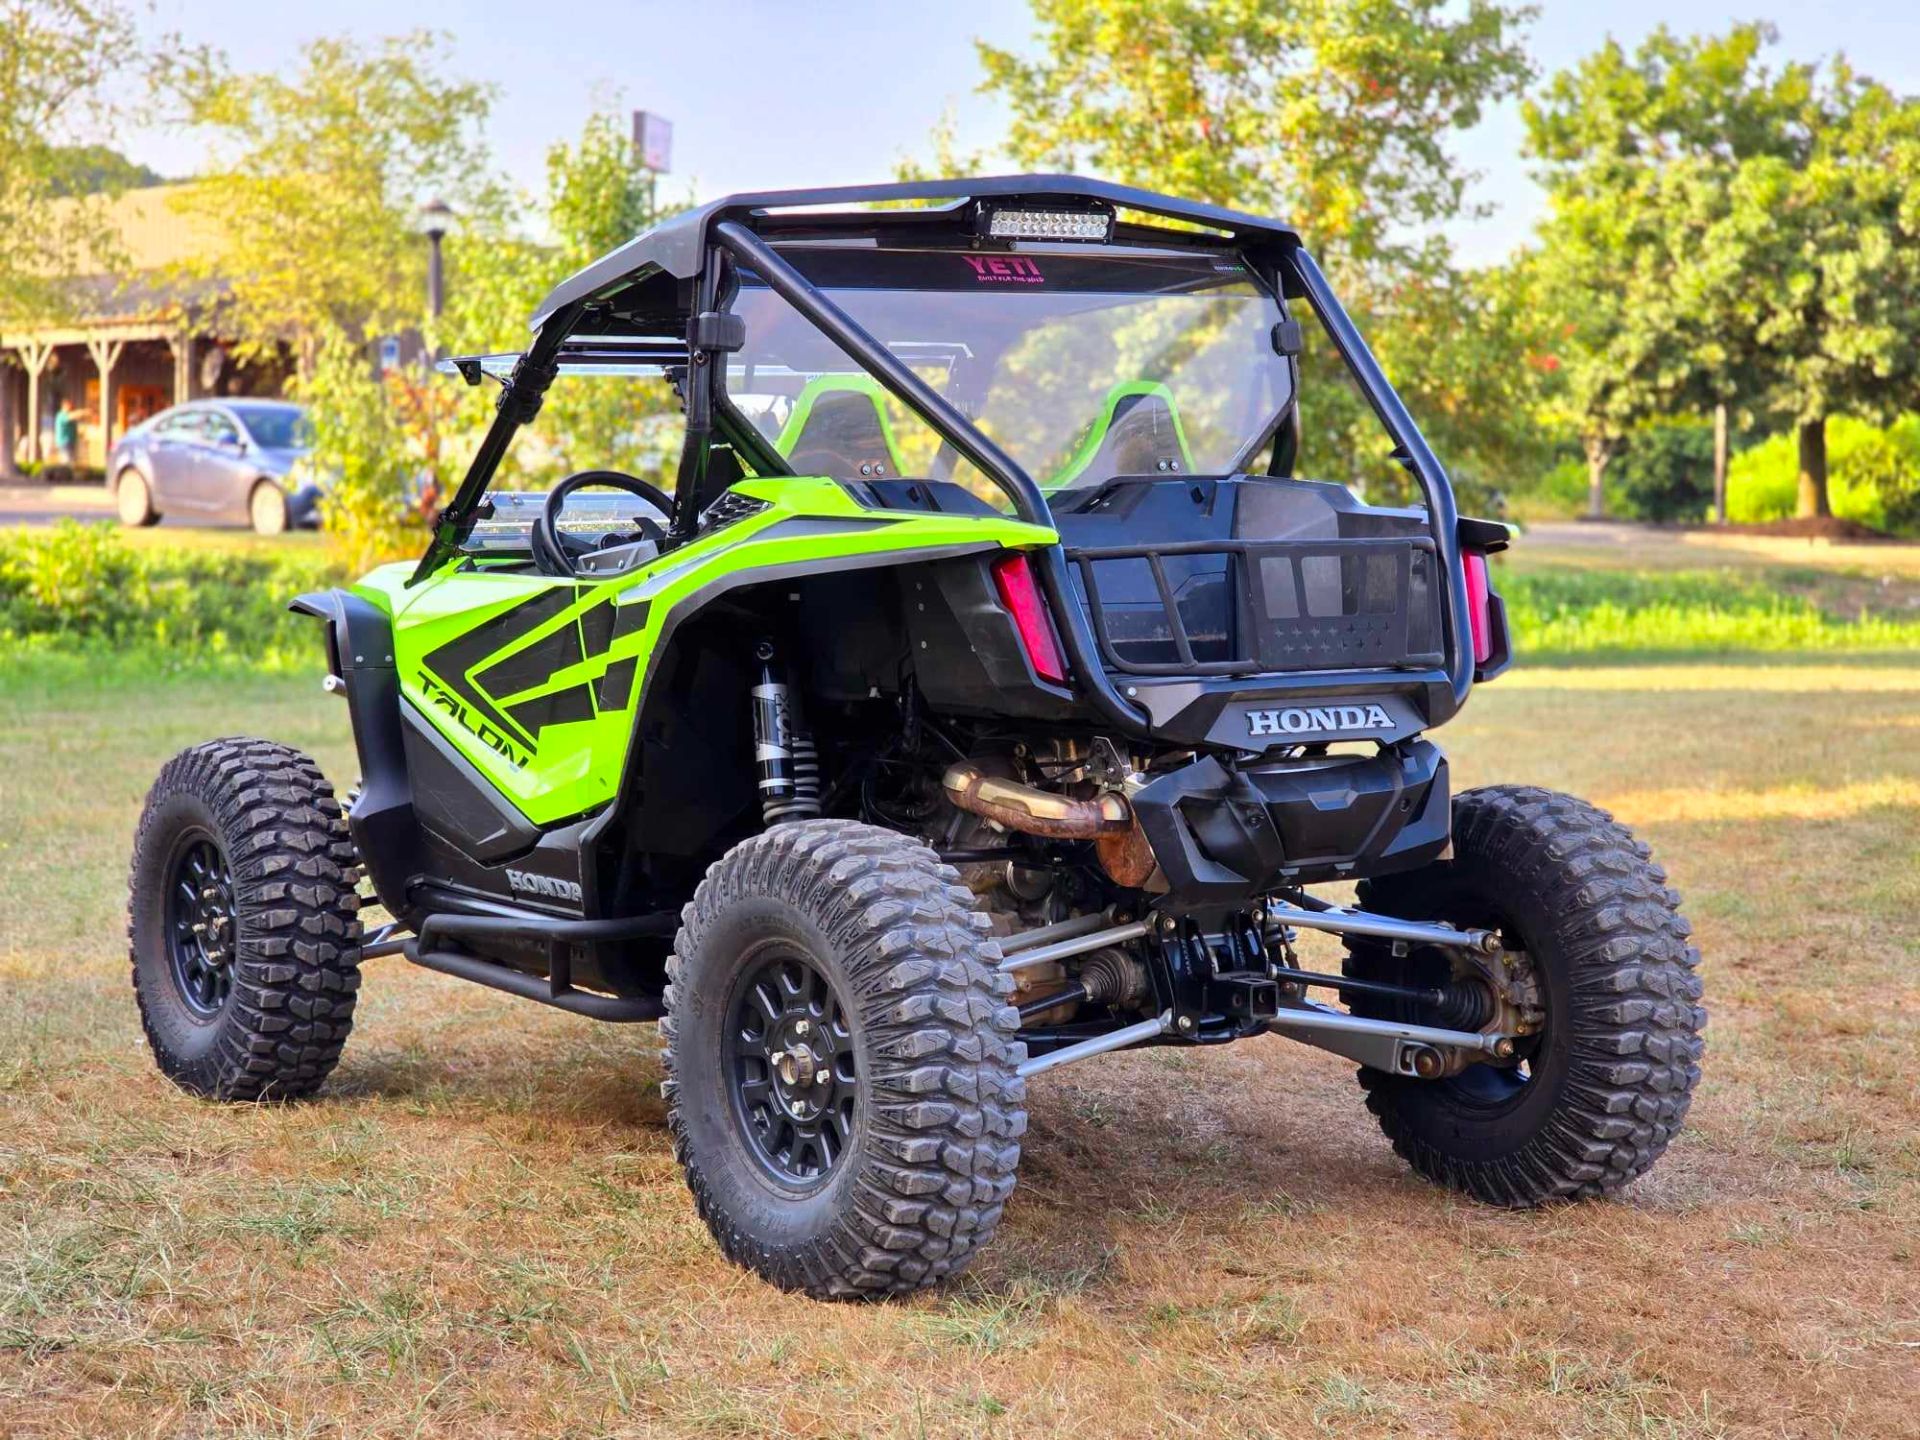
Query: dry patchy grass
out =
(479, 1229)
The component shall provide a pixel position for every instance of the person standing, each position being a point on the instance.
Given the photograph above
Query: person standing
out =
(66, 433)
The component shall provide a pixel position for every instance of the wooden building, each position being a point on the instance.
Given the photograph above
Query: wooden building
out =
(131, 343)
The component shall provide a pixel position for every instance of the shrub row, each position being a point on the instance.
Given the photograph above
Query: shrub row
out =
(79, 586)
(1666, 474)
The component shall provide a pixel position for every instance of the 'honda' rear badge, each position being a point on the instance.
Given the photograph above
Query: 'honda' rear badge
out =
(1318, 720)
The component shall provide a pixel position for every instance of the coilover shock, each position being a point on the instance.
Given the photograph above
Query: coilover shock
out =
(783, 753)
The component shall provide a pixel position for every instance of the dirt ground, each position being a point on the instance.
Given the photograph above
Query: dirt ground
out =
(479, 1229)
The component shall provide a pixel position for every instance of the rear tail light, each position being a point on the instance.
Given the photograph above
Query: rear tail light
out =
(1479, 607)
(1013, 578)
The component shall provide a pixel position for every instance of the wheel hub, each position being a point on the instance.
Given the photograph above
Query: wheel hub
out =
(200, 925)
(791, 1068)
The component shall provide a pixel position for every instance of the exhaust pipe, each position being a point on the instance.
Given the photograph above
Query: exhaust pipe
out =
(1032, 811)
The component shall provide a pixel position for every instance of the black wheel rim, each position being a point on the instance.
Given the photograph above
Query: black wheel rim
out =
(201, 924)
(1490, 1086)
(791, 1068)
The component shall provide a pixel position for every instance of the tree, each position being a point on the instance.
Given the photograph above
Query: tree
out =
(1721, 232)
(66, 70)
(1637, 155)
(1830, 234)
(317, 179)
(1337, 112)
(396, 444)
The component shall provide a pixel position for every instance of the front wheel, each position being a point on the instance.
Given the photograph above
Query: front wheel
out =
(1598, 1093)
(840, 1062)
(242, 921)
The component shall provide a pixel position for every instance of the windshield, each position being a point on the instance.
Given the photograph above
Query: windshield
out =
(277, 427)
(1081, 365)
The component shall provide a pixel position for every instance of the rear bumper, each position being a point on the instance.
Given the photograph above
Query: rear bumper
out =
(303, 507)
(1223, 834)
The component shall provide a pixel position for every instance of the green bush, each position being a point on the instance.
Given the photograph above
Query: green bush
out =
(1873, 475)
(76, 586)
(1588, 614)
(1665, 472)
(1558, 493)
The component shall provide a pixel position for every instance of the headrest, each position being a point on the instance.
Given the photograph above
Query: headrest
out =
(838, 428)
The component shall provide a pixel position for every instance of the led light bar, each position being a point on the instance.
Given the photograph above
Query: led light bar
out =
(1006, 224)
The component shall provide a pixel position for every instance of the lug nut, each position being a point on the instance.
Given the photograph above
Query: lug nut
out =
(800, 1027)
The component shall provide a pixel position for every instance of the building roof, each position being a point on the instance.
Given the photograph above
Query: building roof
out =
(157, 237)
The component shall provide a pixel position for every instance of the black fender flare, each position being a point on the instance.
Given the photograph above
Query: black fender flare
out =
(360, 656)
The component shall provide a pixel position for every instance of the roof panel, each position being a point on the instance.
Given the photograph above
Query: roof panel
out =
(675, 245)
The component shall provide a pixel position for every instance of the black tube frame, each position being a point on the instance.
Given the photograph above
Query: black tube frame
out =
(1284, 258)
(556, 987)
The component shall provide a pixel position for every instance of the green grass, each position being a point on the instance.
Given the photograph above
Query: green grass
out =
(1570, 615)
(479, 1227)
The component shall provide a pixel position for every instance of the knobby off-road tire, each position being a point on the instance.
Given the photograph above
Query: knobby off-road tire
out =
(924, 1088)
(1608, 1081)
(256, 826)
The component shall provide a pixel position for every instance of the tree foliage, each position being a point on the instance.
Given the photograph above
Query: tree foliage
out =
(69, 70)
(1336, 113)
(398, 444)
(1721, 230)
(317, 179)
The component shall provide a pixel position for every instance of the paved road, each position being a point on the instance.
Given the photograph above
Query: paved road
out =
(43, 504)
(32, 504)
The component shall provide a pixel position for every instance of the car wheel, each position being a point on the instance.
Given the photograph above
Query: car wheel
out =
(134, 500)
(267, 508)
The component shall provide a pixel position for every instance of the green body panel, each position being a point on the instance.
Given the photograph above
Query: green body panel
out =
(537, 680)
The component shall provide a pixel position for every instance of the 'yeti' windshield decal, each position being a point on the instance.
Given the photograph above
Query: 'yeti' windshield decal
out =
(1005, 270)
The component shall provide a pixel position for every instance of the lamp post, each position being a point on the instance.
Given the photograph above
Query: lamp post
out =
(436, 218)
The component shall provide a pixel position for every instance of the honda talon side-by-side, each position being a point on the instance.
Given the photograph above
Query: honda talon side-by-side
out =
(985, 692)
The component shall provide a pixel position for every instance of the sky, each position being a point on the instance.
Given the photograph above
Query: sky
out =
(775, 94)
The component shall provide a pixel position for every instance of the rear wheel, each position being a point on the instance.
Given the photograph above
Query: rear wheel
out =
(267, 508)
(840, 1062)
(241, 921)
(1601, 1090)
(133, 499)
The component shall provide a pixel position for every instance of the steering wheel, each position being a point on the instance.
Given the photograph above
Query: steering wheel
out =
(555, 552)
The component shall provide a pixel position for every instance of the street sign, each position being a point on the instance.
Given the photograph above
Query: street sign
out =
(653, 138)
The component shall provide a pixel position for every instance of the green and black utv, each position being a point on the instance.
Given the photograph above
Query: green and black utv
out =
(986, 694)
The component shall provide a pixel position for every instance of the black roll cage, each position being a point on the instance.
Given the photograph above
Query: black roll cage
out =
(681, 273)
